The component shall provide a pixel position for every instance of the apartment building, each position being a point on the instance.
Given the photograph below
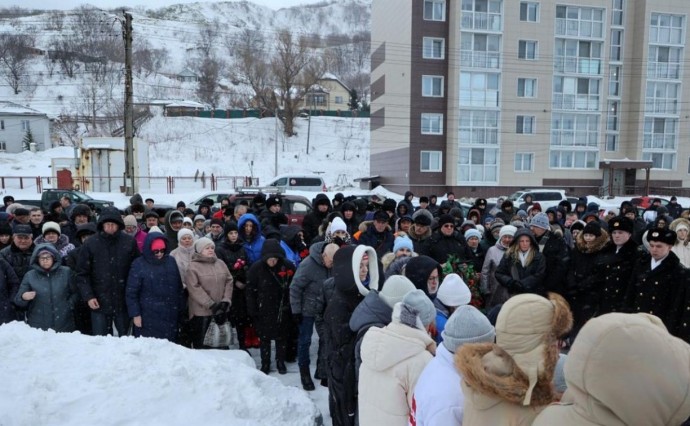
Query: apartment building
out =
(489, 96)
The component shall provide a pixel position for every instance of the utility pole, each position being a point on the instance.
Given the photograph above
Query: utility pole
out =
(129, 106)
(276, 152)
(309, 123)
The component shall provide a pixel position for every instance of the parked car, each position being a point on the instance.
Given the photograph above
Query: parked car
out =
(214, 196)
(295, 207)
(646, 201)
(296, 182)
(545, 197)
(48, 196)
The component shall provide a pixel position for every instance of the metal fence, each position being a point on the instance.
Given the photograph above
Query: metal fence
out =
(168, 184)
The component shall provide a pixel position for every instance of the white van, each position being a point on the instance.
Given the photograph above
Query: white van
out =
(311, 183)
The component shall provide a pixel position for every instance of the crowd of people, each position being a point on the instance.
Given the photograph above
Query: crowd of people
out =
(425, 314)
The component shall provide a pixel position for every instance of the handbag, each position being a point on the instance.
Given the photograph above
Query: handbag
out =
(218, 335)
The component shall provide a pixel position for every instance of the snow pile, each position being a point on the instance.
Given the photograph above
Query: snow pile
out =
(71, 379)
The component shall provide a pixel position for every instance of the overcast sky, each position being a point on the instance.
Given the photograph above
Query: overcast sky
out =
(150, 4)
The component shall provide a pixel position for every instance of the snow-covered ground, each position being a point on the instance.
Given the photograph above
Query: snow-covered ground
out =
(70, 379)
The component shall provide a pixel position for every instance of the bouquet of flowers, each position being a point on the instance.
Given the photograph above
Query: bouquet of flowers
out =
(284, 277)
(471, 277)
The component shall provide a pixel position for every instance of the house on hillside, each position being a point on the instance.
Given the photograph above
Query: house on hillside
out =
(15, 123)
(187, 76)
(329, 94)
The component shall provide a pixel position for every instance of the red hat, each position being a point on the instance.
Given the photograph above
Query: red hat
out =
(158, 244)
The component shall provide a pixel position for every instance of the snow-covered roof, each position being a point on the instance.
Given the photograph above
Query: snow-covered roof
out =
(185, 104)
(117, 144)
(10, 108)
(187, 73)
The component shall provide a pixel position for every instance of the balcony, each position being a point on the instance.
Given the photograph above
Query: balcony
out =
(482, 21)
(474, 59)
(575, 102)
(582, 66)
(663, 70)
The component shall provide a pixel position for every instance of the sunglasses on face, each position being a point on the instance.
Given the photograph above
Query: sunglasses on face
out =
(162, 251)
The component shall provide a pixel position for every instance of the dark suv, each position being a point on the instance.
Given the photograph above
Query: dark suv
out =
(295, 207)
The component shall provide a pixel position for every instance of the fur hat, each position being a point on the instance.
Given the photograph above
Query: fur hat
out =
(51, 227)
(663, 235)
(420, 303)
(402, 242)
(273, 201)
(527, 327)
(578, 225)
(202, 243)
(540, 220)
(592, 228)
(467, 325)
(445, 218)
(620, 223)
(453, 291)
(394, 289)
(422, 217)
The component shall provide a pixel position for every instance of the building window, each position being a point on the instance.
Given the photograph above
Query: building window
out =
(26, 125)
(666, 29)
(2, 124)
(578, 56)
(660, 160)
(616, 45)
(524, 162)
(580, 130)
(478, 165)
(432, 124)
(579, 21)
(479, 127)
(617, 15)
(571, 159)
(3, 146)
(479, 89)
(434, 10)
(432, 86)
(529, 11)
(524, 124)
(431, 161)
(664, 62)
(481, 15)
(662, 98)
(611, 142)
(660, 133)
(579, 94)
(480, 50)
(434, 48)
(527, 49)
(612, 118)
(338, 99)
(527, 88)
(615, 80)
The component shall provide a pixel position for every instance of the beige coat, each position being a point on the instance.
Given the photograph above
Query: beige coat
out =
(183, 257)
(624, 369)
(393, 357)
(208, 281)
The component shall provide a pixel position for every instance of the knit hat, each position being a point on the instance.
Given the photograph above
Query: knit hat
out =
(50, 227)
(88, 228)
(496, 223)
(338, 225)
(467, 325)
(259, 199)
(5, 229)
(445, 218)
(130, 220)
(181, 233)
(230, 226)
(420, 302)
(216, 221)
(273, 201)
(578, 225)
(453, 291)
(592, 228)
(423, 199)
(682, 225)
(402, 242)
(43, 252)
(507, 230)
(527, 327)
(540, 220)
(394, 289)
(199, 217)
(158, 244)
(181, 204)
(202, 243)
(470, 233)
(157, 229)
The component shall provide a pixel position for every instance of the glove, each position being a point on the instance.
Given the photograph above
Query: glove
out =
(297, 318)
(220, 307)
(220, 318)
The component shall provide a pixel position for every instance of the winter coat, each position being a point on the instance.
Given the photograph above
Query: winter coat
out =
(235, 258)
(183, 257)
(616, 275)
(494, 293)
(393, 358)
(305, 290)
(208, 281)
(268, 294)
(18, 259)
(349, 290)
(418, 270)
(140, 238)
(674, 209)
(519, 279)
(62, 245)
(609, 382)
(254, 245)
(442, 315)
(9, 284)
(155, 293)
(585, 278)
(382, 242)
(172, 235)
(438, 398)
(56, 295)
(439, 246)
(653, 291)
(313, 220)
(371, 312)
(557, 256)
(419, 241)
(103, 266)
(682, 250)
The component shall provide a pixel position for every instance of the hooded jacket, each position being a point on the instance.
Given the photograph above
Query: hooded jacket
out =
(371, 312)
(682, 248)
(611, 380)
(56, 295)
(418, 270)
(519, 279)
(305, 290)
(313, 220)
(393, 358)
(254, 245)
(169, 232)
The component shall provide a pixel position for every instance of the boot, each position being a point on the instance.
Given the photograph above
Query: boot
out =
(305, 376)
(280, 355)
(265, 353)
(280, 365)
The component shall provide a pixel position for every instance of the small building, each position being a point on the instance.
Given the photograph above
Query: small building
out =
(177, 108)
(329, 94)
(15, 123)
(187, 76)
(102, 164)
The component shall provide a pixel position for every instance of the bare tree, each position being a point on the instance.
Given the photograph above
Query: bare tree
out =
(67, 129)
(252, 67)
(91, 100)
(296, 69)
(14, 57)
(56, 20)
(208, 36)
(64, 51)
(209, 75)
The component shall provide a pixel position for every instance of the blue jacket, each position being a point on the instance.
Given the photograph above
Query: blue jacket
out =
(252, 247)
(154, 292)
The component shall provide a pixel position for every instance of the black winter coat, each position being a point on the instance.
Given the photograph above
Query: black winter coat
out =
(654, 291)
(519, 279)
(235, 258)
(103, 267)
(616, 274)
(382, 242)
(268, 297)
(439, 246)
(311, 223)
(557, 256)
(19, 260)
(9, 284)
